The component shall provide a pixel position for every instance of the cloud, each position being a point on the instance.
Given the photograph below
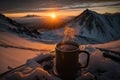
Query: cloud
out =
(9, 6)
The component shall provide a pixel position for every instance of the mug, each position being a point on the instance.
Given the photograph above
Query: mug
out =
(66, 60)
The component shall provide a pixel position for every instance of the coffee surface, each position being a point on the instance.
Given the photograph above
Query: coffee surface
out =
(67, 47)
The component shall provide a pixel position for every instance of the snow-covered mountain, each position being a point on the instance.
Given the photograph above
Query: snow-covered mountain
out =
(90, 27)
(48, 36)
(97, 27)
(6, 23)
(10, 25)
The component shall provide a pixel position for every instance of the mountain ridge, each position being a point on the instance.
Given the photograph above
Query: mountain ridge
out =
(101, 27)
(10, 25)
(90, 27)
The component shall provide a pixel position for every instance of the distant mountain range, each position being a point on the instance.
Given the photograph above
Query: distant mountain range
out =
(31, 15)
(90, 27)
(97, 27)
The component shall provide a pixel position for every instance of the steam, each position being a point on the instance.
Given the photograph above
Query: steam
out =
(69, 34)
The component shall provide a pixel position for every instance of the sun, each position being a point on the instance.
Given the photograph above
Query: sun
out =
(53, 15)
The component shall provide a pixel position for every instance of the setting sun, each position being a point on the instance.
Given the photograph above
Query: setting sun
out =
(53, 15)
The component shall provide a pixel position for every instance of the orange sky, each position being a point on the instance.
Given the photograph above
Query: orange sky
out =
(61, 13)
(58, 13)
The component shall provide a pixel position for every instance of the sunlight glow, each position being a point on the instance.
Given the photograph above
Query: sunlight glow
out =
(53, 15)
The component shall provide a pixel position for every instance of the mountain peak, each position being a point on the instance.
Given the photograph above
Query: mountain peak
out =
(1, 14)
(89, 12)
(84, 15)
(3, 17)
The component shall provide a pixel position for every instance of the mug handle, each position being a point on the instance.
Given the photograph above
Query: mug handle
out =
(88, 56)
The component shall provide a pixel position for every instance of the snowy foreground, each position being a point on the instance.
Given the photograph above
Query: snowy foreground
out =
(15, 50)
(100, 68)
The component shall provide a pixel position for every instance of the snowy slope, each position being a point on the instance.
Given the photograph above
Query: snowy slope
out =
(15, 50)
(98, 27)
(10, 25)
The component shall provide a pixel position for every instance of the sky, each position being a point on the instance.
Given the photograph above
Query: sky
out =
(19, 8)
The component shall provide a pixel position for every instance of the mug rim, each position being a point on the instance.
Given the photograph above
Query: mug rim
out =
(67, 42)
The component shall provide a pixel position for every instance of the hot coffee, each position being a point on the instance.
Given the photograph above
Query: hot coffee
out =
(67, 47)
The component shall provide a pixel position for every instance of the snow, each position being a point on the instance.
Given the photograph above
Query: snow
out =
(113, 45)
(20, 48)
(103, 68)
(14, 57)
(15, 40)
(38, 73)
